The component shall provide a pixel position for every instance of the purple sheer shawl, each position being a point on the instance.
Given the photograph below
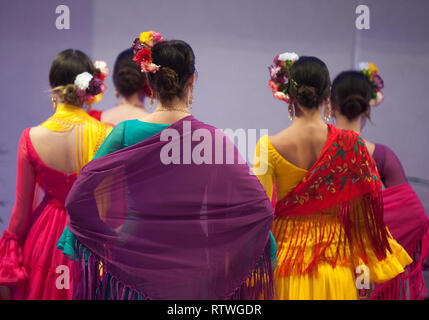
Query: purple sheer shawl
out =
(172, 231)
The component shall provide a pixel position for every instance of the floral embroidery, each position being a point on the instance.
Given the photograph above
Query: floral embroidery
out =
(345, 161)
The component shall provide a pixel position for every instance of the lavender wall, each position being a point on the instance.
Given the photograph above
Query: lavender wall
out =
(234, 42)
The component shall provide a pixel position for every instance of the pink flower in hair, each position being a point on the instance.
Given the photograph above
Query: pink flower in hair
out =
(272, 85)
(378, 82)
(274, 70)
(276, 60)
(157, 37)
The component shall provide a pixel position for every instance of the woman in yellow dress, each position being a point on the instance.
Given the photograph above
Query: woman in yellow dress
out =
(328, 217)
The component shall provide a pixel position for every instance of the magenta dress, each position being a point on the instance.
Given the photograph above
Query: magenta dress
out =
(408, 223)
(29, 258)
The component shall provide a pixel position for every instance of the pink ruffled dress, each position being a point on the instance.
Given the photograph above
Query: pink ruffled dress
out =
(30, 263)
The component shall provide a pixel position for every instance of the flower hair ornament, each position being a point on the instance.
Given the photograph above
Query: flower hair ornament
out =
(90, 88)
(370, 70)
(280, 80)
(142, 50)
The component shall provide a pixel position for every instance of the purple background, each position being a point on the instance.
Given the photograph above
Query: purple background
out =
(234, 42)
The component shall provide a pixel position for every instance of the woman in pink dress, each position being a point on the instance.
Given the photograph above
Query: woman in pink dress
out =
(50, 157)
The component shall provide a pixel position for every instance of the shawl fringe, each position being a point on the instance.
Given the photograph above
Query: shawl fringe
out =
(410, 284)
(94, 280)
(338, 235)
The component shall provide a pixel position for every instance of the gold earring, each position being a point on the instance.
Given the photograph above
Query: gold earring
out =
(151, 101)
(54, 103)
(327, 112)
(191, 97)
(290, 109)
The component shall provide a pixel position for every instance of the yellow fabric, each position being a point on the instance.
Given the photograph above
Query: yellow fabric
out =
(90, 133)
(327, 282)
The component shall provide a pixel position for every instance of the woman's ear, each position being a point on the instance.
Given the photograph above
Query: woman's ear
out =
(192, 80)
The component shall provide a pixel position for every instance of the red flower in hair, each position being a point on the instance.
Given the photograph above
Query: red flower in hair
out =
(144, 55)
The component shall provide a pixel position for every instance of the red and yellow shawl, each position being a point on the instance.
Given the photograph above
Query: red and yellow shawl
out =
(335, 214)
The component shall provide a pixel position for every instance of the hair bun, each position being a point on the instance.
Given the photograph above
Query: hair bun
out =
(307, 96)
(128, 81)
(167, 83)
(353, 106)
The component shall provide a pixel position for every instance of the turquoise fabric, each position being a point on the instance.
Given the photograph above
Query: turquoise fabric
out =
(126, 134)
(123, 135)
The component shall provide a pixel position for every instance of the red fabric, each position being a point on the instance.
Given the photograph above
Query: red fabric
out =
(343, 172)
(12, 270)
(405, 215)
(344, 181)
(30, 241)
(96, 114)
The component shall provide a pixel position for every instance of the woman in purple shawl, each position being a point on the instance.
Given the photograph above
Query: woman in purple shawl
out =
(168, 209)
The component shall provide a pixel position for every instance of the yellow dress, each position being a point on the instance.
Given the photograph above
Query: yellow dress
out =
(328, 283)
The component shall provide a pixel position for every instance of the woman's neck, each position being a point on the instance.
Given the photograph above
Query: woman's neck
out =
(306, 117)
(344, 123)
(133, 100)
(173, 105)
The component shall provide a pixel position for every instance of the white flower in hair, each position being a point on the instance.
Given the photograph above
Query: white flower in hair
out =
(102, 66)
(82, 80)
(280, 95)
(363, 66)
(288, 56)
(378, 99)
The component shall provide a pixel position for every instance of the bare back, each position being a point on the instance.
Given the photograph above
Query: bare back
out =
(56, 149)
(301, 145)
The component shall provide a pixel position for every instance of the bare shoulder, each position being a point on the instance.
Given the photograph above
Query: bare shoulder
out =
(281, 138)
(38, 132)
(370, 146)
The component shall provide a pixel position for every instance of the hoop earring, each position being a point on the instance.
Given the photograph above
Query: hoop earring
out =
(191, 97)
(291, 112)
(54, 103)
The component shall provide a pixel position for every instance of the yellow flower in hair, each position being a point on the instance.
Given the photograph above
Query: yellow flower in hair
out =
(146, 37)
(372, 67)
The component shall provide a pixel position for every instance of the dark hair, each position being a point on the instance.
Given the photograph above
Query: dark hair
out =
(351, 93)
(177, 65)
(309, 82)
(64, 69)
(127, 76)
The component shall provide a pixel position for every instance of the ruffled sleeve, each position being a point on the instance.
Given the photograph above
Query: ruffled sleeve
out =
(12, 269)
